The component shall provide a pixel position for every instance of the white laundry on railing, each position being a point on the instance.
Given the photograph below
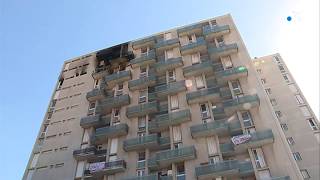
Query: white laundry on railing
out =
(93, 167)
(240, 139)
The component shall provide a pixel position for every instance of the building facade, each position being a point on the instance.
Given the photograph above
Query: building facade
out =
(186, 103)
(294, 114)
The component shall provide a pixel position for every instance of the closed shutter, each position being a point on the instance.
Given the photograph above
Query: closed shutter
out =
(193, 38)
(86, 136)
(195, 58)
(174, 102)
(184, 40)
(264, 175)
(114, 146)
(80, 168)
(212, 145)
(169, 54)
(34, 160)
(199, 82)
(176, 133)
(226, 61)
(168, 36)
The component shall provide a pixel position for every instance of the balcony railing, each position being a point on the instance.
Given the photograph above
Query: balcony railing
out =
(165, 65)
(227, 149)
(205, 67)
(149, 141)
(144, 42)
(209, 129)
(281, 178)
(142, 83)
(142, 109)
(117, 77)
(114, 102)
(150, 177)
(198, 46)
(169, 89)
(257, 139)
(145, 59)
(163, 121)
(241, 104)
(102, 134)
(167, 44)
(231, 74)
(164, 158)
(90, 153)
(100, 72)
(225, 169)
(209, 94)
(109, 168)
(191, 29)
(94, 121)
(215, 31)
(223, 50)
(95, 94)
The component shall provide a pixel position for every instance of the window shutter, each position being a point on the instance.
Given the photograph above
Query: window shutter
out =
(226, 61)
(199, 82)
(184, 40)
(174, 102)
(212, 147)
(176, 133)
(261, 157)
(195, 58)
(264, 175)
(85, 136)
(80, 168)
(114, 146)
(34, 160)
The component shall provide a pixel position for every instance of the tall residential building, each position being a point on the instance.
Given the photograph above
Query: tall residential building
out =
(295, 116)
(186, 103)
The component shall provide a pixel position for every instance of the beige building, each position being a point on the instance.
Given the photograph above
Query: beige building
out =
(186, 103)
(295, 116)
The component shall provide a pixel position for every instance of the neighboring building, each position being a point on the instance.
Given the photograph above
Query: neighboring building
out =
(169, 106)
(295, 116)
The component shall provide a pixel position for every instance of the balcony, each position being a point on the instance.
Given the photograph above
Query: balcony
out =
(162, 44)
(169, 64)
(199, 46)
(257, 139)
(223, 50)
(102, 134)
(241, 104)
(167, 157)
(281, 178)
(191, 29)
(227, 149)
(218, 113)
(231, 74)
(109, 168)
(205, 67)
(90, 153)
(235, 128)
(150, 177)
(142, 82)
(145, 59)
(209, 129)
(94, 121)
(100, 72)
(96, 94)
(152, 141)
(149, 41)
(163, 121)
(117, 77)
(169, 89)
(113, 102)
(225, 169)
(225, 93)
(203, 95)
(215, 31)
(142, 109)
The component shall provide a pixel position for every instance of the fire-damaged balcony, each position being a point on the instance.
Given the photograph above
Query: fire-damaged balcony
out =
(89, 153)
(115, 53)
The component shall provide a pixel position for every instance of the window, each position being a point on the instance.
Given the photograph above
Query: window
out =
(195, 58)
(214, 159)
(167, 36)
(305, 111)
(263, 80)
(297, 156)
(199, 82)
(299, 99)
(119, 89)
(180, 171)
(247, 120)
(80, 168)
(236, 88)
(286, 77)
(171, 76)
(277, 59)
(273, 102)
(177, 145)
(281, 68)
(174, 101)
(143, 96)
(305, 174)
(290, 141)
(144, 50)
(141, 134)
(176, 131)
(220, 41)
(213, 22)
(143, 72)
(114, 146)
(258, 156)
(116, 117)
(141, 156)
(96, 83)
(142, 123)
(312, 124)
(91, 108)
(259, 71)
(140, 172)
(34, 160)
(169, 54)
(30, 174)
(284, 126)
(226, 61)
(278, 114)
(66, 67)
(293, 88)
(268, 91)
(49, 116)
(204, 110)
(212, 145)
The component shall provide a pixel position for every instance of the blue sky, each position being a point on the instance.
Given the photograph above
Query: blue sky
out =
(36, 36)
